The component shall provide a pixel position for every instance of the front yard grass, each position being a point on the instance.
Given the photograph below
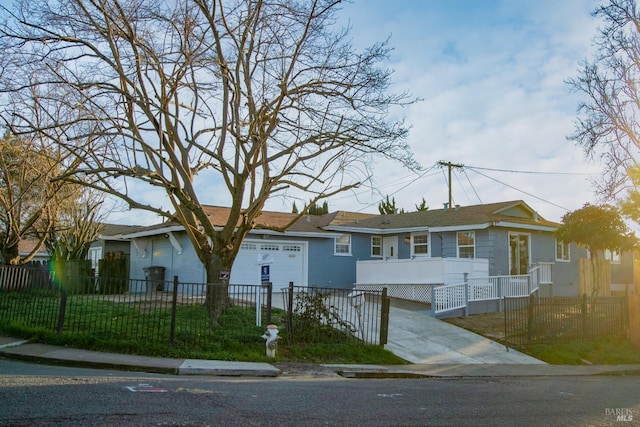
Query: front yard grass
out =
(98, 325)
(601, 351)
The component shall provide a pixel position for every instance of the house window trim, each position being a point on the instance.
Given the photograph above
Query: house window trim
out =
(458, 246)
(608, 255)
(566, 249)
(517, 233)
(379, 246)
(428, 244)
(336, 243)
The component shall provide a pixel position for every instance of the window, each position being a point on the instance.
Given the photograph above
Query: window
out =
(518, 253)
(269, 247)
(420, 244)
(376, 246)
(613, 256)
(562, 251)
(343, 245)
(95, 254)
(466, 244)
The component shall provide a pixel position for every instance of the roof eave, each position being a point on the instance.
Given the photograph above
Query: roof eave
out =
(536, 227)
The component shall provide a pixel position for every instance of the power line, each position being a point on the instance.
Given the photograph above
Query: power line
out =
(528, 172)
(471, 184)
(521, 191)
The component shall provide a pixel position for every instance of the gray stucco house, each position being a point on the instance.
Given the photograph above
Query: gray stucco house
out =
(332, 250)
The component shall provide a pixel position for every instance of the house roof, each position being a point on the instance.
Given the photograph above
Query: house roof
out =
(25, 246)
(514, 214)
(267, 222)
(511, 213)
(117, 229)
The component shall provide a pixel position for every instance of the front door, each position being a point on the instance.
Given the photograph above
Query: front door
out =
(518, 253)
(390, 247)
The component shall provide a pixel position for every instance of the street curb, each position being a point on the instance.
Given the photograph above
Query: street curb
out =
(88, 364)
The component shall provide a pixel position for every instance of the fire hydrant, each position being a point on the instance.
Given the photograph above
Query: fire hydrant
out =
(271, 335)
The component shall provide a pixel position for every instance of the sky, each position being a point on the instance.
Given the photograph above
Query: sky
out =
(491, 79)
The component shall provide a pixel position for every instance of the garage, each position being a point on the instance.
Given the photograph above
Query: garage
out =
(287, 262)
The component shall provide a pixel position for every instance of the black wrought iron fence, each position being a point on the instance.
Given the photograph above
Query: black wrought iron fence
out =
(335, 315)
(178, 314)
(543, 320)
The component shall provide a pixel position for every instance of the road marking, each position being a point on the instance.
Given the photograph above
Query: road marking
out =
(147, 388)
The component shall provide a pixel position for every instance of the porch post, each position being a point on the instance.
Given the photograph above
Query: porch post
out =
(433, 300)
(500, 295)
(466, 294)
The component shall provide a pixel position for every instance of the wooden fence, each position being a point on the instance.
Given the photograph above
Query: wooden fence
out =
(594, 276)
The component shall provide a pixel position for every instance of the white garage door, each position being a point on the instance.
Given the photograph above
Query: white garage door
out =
(288, 263)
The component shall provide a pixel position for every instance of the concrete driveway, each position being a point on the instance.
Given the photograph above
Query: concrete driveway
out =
(419, 338)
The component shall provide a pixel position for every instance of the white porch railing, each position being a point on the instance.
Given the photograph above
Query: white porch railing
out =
(459, 295)
(545, 273)
(445, 298)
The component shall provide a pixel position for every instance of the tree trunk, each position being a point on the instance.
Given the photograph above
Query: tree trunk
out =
(217, 299)
(594, 274)
(10, 255)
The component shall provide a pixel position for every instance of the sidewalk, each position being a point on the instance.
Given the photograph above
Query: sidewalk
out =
(12, 348)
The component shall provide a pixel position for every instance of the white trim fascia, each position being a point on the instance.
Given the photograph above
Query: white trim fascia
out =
(174, 228)
(414, 229)
(468, 227)
(377, 231)
(268, 232)
(524, 226)
(148, 233)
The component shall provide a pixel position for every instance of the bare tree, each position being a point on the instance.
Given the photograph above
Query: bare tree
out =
(261, 97)
(29, 200)
(79, 222)
(608, 125)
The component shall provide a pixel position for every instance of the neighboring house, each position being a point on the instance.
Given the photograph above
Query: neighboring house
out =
(505, 238)
(25, 247)
(107, 246)
(305, 254)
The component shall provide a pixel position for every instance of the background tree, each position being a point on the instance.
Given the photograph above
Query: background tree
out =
(596, 228)
(386, 207)
(79, 223)
(261, 97)
(608, 125)
(422, 206)
(313, 208)
(29, 198)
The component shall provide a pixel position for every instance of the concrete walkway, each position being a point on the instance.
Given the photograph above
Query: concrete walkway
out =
(421, 339)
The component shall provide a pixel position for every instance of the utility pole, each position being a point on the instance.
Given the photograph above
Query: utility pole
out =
(450, 165)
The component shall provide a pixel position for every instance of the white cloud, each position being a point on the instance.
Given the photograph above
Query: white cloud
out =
(492, 76)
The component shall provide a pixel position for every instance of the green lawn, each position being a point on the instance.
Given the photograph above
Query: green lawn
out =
(96, 324)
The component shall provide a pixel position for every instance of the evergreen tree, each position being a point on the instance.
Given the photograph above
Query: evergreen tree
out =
(422, 206)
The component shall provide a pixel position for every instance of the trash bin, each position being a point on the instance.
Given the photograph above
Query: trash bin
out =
(155, 278)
